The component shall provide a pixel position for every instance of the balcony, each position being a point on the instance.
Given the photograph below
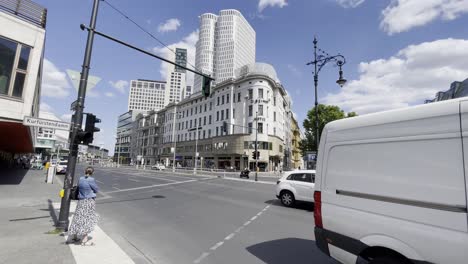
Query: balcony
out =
(26, 10)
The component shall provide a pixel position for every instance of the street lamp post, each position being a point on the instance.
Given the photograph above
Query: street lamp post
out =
(256, 146)
(196, 151)
(173, 138)
(320, 61)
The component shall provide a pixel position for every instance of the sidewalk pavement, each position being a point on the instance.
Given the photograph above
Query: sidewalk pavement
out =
(27, 214)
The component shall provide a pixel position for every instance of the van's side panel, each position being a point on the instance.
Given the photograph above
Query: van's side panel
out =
(464, 128)
(399, 181)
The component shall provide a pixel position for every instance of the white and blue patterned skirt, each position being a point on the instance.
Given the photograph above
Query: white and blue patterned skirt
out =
(85, 218)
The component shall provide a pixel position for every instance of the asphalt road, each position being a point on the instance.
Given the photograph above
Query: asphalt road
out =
(159, 217)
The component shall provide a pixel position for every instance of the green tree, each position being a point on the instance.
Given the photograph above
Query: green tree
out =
(326, 113)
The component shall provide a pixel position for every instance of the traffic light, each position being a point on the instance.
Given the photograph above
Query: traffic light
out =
(258, 155)
(206, 88)
(254, 155)
(86, 137)
(225, 127)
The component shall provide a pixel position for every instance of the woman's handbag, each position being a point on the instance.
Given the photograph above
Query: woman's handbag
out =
(74, 193)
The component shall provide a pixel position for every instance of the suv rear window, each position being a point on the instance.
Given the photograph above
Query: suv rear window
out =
(304, 177)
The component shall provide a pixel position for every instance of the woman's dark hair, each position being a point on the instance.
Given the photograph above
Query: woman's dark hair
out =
(89, 171)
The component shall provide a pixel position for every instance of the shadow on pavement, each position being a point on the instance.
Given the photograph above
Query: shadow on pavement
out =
(11, 176)
(307, 206)
(52, 212)
(289, 250)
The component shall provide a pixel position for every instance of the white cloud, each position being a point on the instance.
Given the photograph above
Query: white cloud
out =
(46, 108)
(414, 74)
(403, 15)
(188, 43)
(262, 4)
(170, 25)
(93, 94)
(54, 81)
(66, 117)
(294, 70)
(109, 94)
(350, 3)
(120, 85)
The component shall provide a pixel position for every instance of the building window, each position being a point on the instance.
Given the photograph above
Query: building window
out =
(211, 106)
(218, 101)
(217, 131)
(191, 111)
(199, 121)
(274, 100)
(205, 107)
(195, 122)
(250, 93)
(217, 115)
(274, 116)
(238, 97)
(274, 131)
(260, 128)
(209, 120)
(222, 99)
(227, 98)
(190, 123)
(250, 110)
(260, 110)
(234, 113)
(260, 93)
(250, 128)
(204, 120)
(227, 113)
(222, 115)
(209, 133)
(203, 134)
(14, 58)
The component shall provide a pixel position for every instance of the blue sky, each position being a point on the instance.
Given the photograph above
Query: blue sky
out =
(398, 52)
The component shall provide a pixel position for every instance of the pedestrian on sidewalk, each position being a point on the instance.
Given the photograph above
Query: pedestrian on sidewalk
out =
(85, 217)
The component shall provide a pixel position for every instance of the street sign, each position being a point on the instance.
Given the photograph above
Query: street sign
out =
(74, 105)
(46, 123)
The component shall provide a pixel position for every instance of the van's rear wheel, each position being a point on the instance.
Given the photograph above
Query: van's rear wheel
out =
(287, 198)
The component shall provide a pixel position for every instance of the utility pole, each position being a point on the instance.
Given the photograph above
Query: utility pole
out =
(256, 146)
(317, 136)
(77, 121)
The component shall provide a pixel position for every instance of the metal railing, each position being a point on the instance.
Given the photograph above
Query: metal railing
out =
(26, 10)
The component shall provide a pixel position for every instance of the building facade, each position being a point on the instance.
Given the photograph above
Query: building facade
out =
(176, 79)
(124, 133)
(22, 39)
(297, 161)
(226, 43)
(147, 95)
(457, 90)
(195, 127)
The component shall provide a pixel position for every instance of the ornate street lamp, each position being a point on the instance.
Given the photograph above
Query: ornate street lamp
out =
(319, 61)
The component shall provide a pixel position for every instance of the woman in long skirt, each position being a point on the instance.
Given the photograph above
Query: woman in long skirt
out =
(85, 217)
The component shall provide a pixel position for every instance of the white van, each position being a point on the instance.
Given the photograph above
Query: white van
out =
(391, 187)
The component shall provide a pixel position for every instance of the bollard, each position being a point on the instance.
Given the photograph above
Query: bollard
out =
(50, 174)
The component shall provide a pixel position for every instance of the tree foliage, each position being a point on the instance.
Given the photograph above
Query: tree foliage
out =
(326, 114)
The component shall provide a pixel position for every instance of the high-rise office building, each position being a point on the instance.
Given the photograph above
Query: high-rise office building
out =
(226, 43)
(176, 79)
(146, 95)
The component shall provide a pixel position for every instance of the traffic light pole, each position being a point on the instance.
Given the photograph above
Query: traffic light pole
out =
(77, 121)
(256, 146)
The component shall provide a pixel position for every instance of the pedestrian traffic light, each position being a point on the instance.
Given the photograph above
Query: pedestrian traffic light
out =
(254, 155)
(206, 88)
(86, 137)
(225, 127)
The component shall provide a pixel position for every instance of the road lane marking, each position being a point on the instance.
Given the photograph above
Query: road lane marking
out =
(217, 245)
(229, 237)
(151, 186)
(199, 259)
(100, 181)
(133, 180)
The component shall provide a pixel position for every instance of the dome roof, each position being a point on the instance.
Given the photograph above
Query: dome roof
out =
(257, 68)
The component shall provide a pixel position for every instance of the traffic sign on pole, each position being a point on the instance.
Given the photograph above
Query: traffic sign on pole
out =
(46, 123)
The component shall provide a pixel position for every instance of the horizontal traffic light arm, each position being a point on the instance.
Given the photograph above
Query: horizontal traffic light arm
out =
(83, 27)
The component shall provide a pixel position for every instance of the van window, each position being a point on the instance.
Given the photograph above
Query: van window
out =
(309, 177)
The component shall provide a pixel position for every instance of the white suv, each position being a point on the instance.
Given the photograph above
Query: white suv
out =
(296, 186)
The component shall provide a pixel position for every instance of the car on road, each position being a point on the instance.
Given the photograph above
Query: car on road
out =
(61, 166)
(296, 186)
(158, 167)
(381, 197)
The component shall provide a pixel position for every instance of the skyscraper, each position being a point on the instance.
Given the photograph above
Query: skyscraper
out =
(146, 95)
(176, 79)
(226, 43)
